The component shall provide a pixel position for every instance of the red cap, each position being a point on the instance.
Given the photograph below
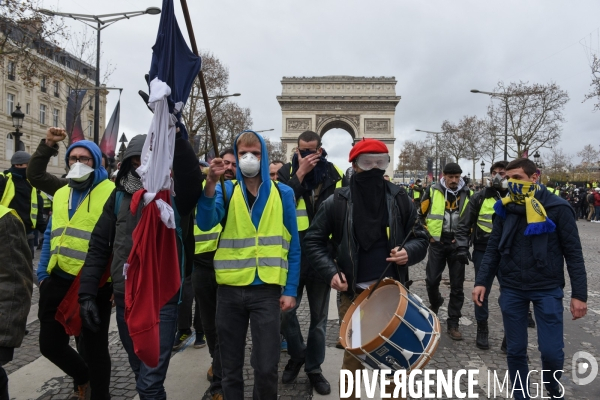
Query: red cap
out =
(367, 146)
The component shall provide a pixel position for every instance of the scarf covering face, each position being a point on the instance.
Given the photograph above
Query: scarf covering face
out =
(369, 211)
(318, 173)
(131, 183)
(522, 193)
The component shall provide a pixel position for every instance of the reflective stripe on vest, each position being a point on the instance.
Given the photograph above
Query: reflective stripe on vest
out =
(70, 238)
(47, 201)
(9, 195)
(484, 220)
(301, 213)
(242, 250)
(206, 241)
(435, 217)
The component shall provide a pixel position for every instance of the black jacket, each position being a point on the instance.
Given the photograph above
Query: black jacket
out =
(468, 232)
(402, 220)
(21, 203)
(519, 269)
(112, 233)
(333, 177)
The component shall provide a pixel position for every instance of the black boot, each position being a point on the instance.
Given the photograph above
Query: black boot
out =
(482, 335)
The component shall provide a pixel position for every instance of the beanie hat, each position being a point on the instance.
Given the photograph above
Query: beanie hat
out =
(135, 146)
(452, 168)
(20, 157)
(367, 146)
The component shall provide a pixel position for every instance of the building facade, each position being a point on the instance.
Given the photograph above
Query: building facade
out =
(45, 105)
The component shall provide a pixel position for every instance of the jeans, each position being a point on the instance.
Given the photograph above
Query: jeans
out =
(149, 382)
(313, 352)
(481, 313)
(439, 254)
(548, 309)
(597, 211)
(235, 306)
(205, 286)
(184, 319)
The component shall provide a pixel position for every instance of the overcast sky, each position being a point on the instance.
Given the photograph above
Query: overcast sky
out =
(437, 50)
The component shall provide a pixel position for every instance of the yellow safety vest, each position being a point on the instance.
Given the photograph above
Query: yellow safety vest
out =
(9, 195)
(243, 251)
(416, 194)
(484, 219)
(301, 213)
(435, 217)
(5, 210)
(47, 201)
(206, 241)
(70, 238)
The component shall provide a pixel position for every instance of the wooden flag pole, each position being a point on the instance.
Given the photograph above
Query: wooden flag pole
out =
(211, 126)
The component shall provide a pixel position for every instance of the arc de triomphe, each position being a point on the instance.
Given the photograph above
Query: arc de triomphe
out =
(362, 106)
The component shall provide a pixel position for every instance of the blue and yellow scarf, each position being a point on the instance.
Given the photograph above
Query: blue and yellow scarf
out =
(523, 193)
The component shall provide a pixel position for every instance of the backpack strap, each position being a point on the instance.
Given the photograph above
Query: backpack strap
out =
(340, 205)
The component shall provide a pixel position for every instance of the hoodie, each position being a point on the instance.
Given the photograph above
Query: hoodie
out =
(211, 210)
(77, 196)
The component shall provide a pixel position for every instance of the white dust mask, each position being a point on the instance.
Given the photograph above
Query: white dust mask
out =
(79, 172)
(249, 165)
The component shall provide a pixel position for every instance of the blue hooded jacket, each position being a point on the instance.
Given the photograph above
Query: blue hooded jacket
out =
(77, 197)
(211, 211)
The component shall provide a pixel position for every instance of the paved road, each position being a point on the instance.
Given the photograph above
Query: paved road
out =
(33, 377)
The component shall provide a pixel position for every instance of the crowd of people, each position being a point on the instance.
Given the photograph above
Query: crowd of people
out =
(256, 236)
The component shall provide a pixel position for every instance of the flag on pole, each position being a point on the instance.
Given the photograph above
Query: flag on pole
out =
(108, 144)
(73, 120)
(152, 271)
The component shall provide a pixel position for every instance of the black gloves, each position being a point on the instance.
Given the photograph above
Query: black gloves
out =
(462, 255)
(88, 311)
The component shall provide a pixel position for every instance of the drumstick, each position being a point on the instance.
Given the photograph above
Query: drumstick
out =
(390, 264)
(339, 271)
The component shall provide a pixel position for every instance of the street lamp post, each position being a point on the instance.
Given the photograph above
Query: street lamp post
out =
(536, 157)
(436, 147)
(99, 22)
(482, 170)
(265, 130)
(17, 121)
(505, 96)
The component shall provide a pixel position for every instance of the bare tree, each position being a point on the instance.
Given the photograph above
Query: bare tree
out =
(453, 141)
(556, 165)
(471, 130)
(413, 156)
(590, 160)
(595, 85)
(276, 150)
(491, 141)
(535, 114)
(27, 37)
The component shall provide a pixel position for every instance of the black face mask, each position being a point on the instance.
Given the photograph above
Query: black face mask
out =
(22, 172)
(305, 153)
(367, 189)
(365, 176)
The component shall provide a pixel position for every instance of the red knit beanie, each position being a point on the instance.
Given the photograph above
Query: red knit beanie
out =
(367, 146)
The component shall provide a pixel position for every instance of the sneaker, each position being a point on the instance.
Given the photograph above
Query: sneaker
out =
(180, 339)
(319, 383)
(208, 396)
(530, 321)
(209, 374)
(454, 333)
(200, 342)
(291, 371)
(283, 344)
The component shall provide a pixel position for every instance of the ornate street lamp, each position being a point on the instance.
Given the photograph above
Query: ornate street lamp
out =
(482, 169)
(17, 121)
(536, 157)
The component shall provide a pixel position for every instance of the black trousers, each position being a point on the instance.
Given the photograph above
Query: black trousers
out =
(439, 255)
(6, 356)
(205, 286)
(93, 364)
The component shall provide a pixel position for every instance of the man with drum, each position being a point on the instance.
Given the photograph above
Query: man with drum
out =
(367, 221)
(533, 235)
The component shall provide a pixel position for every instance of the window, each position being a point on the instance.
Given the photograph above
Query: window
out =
(56, 88)
(69, 89)
(9, 147)
(27, 108)
(43, 84)
(10, 103)
(56, 58)
(11, 71)
(91, 103)
(68, 63)
(55, 118)
(42, 114)
(90, 128)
